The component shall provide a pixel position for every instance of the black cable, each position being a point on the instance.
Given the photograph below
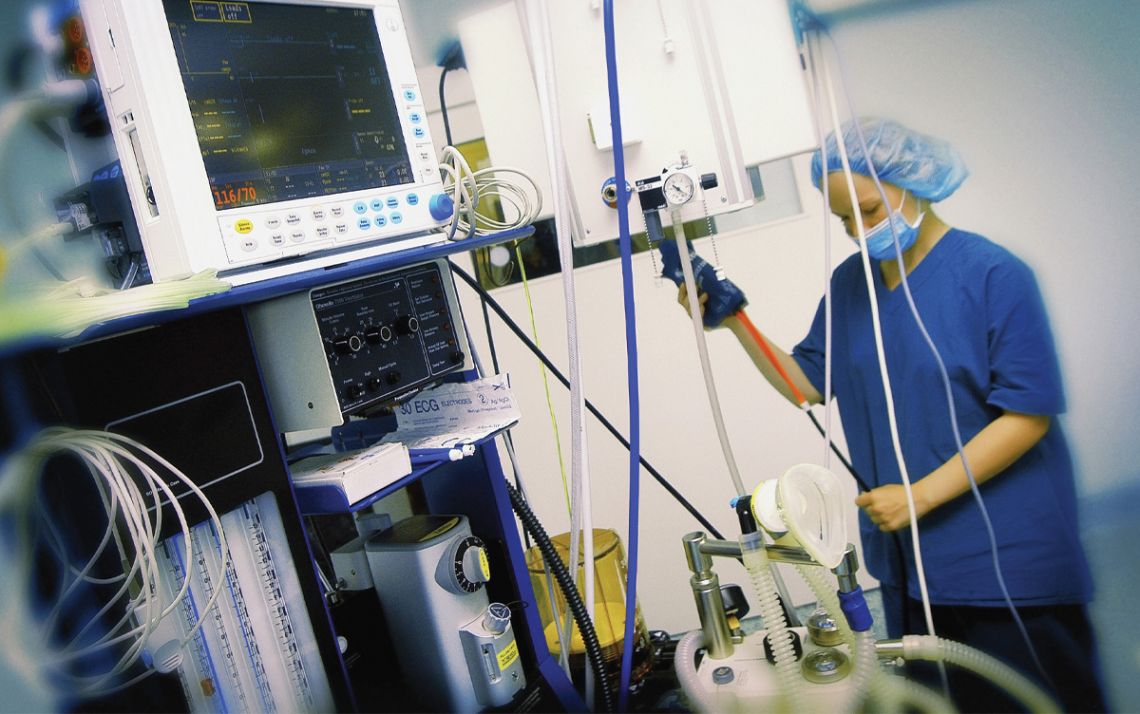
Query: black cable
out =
(895, 539)
(490, 336)
(443, 105)
(506, 434)
(569, 592)
(488, 300)
(835, 449)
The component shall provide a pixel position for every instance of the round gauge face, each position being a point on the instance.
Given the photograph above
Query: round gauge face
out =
(461, 576)
(678, 188)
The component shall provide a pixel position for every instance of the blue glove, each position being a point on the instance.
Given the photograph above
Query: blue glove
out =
(724, 297)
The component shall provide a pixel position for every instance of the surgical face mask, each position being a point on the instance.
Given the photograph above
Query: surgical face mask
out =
(880, 241)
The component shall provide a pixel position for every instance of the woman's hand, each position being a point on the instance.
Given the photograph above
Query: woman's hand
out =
(886, 505)
(683, 299)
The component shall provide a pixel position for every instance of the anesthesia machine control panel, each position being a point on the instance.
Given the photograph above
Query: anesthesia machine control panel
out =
(342, 348)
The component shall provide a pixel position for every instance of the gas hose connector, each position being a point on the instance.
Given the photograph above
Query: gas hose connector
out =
(855, 609)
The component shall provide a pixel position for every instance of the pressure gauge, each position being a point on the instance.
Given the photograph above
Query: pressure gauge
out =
(678, 188)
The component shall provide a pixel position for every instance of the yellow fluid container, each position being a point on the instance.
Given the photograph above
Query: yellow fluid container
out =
(609, 606)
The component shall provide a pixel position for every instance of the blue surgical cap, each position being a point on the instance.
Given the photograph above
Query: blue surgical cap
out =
(927, 167)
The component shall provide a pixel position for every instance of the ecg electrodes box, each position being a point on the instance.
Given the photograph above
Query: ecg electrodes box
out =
(290, 133)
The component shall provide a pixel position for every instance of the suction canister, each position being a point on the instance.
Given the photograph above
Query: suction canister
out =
(609, 607)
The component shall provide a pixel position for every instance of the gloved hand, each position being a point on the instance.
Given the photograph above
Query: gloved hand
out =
(719, 298)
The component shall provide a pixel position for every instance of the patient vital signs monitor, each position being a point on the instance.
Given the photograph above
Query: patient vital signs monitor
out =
(265, 138)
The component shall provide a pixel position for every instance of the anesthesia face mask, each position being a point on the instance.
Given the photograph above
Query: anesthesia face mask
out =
(808, 503)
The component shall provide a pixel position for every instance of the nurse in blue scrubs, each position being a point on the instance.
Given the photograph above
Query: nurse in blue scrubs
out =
(984, 312)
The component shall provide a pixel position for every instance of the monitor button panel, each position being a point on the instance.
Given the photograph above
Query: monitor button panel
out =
(255, 234)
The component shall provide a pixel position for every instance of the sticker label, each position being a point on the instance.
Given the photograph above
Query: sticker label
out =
(441, 530)
(508, 655)
(484, 565)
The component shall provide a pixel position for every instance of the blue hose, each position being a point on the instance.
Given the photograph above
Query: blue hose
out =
(631, 355)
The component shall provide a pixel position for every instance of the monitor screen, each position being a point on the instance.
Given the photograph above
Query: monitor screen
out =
(288, 101)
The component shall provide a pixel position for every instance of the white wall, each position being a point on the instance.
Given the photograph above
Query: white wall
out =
(1041, 98)
(768, 435)
(1038, 95)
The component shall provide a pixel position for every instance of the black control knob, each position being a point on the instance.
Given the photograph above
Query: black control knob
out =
(355, 343)
(374, 384)
(407, 325)
(341, 347)
(392, 377)
(373, 337)
(708, 181)
(385, 334)
(457, 357)
(356, 391)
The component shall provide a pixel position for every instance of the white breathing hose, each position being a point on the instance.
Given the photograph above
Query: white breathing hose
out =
(684, 664)
(581, 517)
(703, 350)
(894, 692)
(937, 649)
(866, 676)
(827, 354)
(880, 352)
(755, 559)
(710, 382)
(827, 599)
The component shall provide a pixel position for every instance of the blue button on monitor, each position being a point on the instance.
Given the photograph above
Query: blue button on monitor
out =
(396, 217)
(377, 204)
(413, 199)
(419, 132)
(359, 207)
(416, 117)
(364, 224)
(393, 202)
(410, 95)
(441, 206)
(381, 221)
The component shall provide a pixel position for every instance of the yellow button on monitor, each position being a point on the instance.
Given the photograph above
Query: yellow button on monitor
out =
(243, 226)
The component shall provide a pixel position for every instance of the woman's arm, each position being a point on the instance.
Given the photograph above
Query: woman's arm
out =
(793, 369)
(994, 449)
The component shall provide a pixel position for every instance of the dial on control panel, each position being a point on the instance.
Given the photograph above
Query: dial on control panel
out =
(389, 334)
(469, 566)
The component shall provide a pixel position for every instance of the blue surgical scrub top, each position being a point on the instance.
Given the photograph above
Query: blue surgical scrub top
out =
(982, 308)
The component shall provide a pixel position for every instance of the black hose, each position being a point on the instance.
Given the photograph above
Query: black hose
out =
(835, 449)
(895, 540)
(443, 106)
(573, 599)
(534, 349)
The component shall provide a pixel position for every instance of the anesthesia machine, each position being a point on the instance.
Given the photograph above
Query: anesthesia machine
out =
(254, 464)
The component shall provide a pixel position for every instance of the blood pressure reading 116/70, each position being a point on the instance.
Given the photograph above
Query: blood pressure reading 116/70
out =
(235, 196)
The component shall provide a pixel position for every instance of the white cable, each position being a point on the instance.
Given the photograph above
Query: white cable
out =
(25, 243)
(887, 392)
(827, 265)
(106, 457)
(542, 51)
(952, 411)
(459, 179)
(524, 199)
(703, 351)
